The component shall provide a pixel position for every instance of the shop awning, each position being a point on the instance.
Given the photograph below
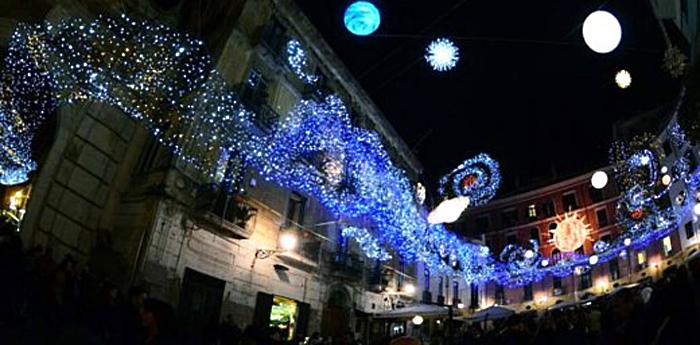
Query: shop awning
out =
(491, 313)
(424, 310)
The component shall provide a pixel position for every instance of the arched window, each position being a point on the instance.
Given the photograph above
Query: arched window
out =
(552, 227)
(556, 255)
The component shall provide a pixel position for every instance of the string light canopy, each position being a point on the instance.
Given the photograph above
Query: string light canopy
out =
(442, 54)
(165, 80)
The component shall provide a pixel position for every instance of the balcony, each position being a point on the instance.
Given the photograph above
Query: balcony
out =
(227, 214)
(347, 266)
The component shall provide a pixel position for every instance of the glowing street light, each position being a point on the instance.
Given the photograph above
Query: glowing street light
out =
(417, 320)
(288, 241)
(409, 289)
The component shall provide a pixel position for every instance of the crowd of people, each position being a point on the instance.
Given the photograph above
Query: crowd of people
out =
(665, 312)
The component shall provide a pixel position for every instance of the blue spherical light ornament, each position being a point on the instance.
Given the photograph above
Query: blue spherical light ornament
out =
(362, 18)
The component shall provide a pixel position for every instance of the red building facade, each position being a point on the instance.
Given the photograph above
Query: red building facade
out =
(535, 214)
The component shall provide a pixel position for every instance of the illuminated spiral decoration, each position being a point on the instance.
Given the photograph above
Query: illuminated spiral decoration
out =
(477, 178)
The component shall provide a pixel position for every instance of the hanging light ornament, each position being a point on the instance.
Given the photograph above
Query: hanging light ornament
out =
(571, 233)
(599, 179)
(442, 54)
(602, 32)
(362, 18)
(623, 79)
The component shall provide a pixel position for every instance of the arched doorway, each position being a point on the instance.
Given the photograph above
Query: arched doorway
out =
(337, 314)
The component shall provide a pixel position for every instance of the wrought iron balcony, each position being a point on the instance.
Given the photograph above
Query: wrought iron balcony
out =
(228, 212)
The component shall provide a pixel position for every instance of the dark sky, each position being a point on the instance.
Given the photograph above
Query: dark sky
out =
(526, 89)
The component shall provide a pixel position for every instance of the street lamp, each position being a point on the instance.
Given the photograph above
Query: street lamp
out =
(409, 289)
(287, 242)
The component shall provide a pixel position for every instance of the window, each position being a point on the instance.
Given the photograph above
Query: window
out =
(255, 90)
(586, 281)
(556, 255)
(474, 296)
(512, 239)
(482, 224)
(295, 210)
(510, 218)
(548, 208)
(532, 212)
(535, 234)
(580, 251)
(614, 269)
(500, 295)
(667, 147)
(642, 259)
(668, 245)
(440, 286)
(602, 215)
(596, 194)
(527, 292)
(689, 231)
(552, 227)
(557, 284)
(274, 37)
(569, 200)
(607, 238)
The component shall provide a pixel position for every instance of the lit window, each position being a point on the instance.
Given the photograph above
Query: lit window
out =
(641, 258)
(668, 246)
(532, 211)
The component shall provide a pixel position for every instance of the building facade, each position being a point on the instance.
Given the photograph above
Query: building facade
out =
(111, 195)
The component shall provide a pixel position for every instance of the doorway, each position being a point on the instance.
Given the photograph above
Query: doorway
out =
(200, 302)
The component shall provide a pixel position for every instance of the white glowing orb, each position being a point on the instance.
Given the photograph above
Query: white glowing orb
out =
(593, 259)
(449, 210)
(623, 79)
(602, 32)
(628, 241)
(599, 180)
(417, 320)
(644, 160)
(442, 54)
(666, 180)
(288, 241)
(696, 209)
(409, 289)
(664, 169)
(544, 262)
(529, 254)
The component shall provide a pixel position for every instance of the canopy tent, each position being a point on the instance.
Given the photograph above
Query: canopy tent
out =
(491, 313)
(424, 310)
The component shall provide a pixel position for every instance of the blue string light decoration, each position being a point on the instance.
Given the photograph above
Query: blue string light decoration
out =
(368, 244)
(165, 80)
(477, 178)
(296, 58)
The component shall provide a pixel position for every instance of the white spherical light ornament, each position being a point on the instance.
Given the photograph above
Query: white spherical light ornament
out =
(623, 79)
(602, 32)
(417, 320)
(593, 259)
(599, 179)
(696, 209)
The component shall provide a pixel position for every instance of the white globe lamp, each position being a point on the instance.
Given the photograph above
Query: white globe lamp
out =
(602, 32)
(288, 241)
(417, 320)
(599, 180)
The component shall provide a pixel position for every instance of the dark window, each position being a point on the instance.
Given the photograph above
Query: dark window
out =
(602, 215)
(548, 208)
(580, 251)
(596, 194)
(586, 281)
(552, 227)
(667, 147)
(440, 286)
(474, 296)
(689, 231)
(556, 255)
(274, 37)
(255, 90)
(569, 201)
(295, 210)
(556, 283)
(455, 292)
(510, 218)
(614, 268)
(512, 239)
(535, 234)
(527, 292)
(500, 295)
(482, 224)
(607, 238)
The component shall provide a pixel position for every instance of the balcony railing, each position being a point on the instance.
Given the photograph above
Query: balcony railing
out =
(349, 266)
(232, 215)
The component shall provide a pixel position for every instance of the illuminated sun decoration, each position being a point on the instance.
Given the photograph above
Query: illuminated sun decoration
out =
(442, 54)
(571, 233)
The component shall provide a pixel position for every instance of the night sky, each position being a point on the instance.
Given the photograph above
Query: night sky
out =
(526, 90)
